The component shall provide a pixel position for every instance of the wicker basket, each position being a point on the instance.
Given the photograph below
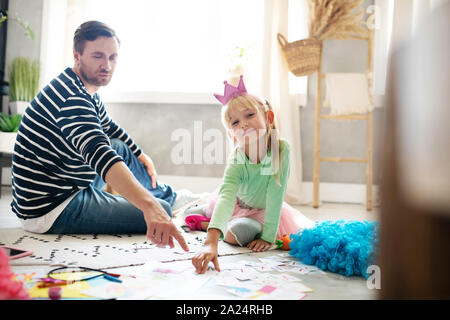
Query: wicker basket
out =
(302, 56)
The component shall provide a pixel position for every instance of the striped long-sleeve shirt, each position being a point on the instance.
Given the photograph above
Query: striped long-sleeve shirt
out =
(63, 142)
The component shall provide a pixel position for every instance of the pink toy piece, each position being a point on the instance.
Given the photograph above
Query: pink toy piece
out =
(231, 92)
(9, 289)
(54, 293)
(15, 253)
(194, 221)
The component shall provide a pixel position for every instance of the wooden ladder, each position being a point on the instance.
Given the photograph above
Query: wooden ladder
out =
(318, 116)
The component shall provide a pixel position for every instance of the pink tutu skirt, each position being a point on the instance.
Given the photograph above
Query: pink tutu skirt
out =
(291, 220)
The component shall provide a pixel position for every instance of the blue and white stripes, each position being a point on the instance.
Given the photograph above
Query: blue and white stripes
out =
(62, 144)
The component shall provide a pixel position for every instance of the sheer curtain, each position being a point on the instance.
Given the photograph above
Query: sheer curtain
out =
(275, 87)
(420, 35)
(398, 20)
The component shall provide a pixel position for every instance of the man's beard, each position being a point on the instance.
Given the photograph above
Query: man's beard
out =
(96, 81)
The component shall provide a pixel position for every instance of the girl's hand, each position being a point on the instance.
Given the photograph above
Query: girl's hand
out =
(150, 167)
(202, 259)
(259, 245)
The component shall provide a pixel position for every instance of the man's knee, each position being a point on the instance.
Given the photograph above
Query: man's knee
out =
(119, 146)
(123, 150)
(166, 206)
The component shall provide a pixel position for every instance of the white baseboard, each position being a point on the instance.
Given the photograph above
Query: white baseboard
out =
(339, 192)
(6, 176)
(328, 192)
(194, 184)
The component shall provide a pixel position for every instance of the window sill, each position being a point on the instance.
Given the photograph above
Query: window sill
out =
(174, 97)
(158, 97)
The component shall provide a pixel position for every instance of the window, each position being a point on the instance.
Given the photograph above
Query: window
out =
(174, 46)
(173, 50)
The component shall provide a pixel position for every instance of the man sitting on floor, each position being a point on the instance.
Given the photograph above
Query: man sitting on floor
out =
(67, 147)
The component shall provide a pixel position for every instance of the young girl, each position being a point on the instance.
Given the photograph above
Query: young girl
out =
(248, 209)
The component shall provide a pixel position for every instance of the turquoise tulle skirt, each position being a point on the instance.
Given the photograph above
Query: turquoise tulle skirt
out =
(344, 247)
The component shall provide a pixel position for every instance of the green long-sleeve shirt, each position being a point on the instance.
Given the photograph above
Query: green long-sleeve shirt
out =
(255, 185)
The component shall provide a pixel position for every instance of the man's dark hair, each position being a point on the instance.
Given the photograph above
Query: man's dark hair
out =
(90, 31)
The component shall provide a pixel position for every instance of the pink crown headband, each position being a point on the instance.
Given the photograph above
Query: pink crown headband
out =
(231, 92)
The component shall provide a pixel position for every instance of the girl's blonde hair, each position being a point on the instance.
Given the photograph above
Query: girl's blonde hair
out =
(250, 102)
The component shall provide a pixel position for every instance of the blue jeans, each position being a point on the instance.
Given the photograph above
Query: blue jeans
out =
(93, 210)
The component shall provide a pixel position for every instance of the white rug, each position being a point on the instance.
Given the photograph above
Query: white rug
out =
(102, 251)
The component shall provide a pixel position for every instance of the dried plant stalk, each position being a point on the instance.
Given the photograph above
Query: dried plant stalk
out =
(335, 19)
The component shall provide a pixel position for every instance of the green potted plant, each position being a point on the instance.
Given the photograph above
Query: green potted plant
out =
(8, 131)
(23, 83)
